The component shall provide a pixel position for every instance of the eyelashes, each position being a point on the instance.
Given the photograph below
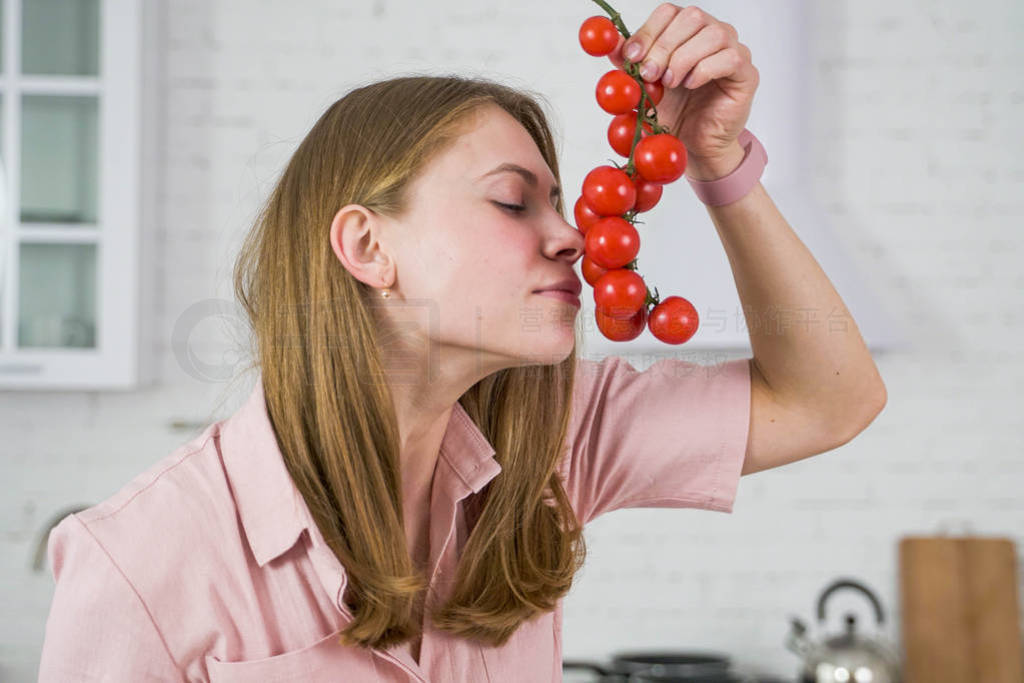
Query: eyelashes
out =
(514, 208)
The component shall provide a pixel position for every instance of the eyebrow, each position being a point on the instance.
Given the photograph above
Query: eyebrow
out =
(529, 176)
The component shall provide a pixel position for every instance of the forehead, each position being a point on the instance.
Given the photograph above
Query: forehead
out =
(492, 137)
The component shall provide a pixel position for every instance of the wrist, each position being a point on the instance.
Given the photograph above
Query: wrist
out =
(728, 178)
(713, 168)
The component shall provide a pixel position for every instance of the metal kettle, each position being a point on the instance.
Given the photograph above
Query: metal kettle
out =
(848, 657)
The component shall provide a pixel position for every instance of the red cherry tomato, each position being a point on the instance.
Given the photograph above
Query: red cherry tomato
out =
(585, 216)
(617, 92)
(648, 194)
(660, 158)
(621, 131)
(591, 271)
(621, 330)
(598, 36)
(620, 293)
(655, 91)
(612, 242)
(674, 320)
(608, 191)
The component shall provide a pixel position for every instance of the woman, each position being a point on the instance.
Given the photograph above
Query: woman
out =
(403, 494)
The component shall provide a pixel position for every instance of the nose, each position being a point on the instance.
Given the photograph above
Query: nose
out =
(568, 243)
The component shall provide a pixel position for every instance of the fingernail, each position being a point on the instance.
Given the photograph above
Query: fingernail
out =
(648, 70)
(667, 78)
(632, 51)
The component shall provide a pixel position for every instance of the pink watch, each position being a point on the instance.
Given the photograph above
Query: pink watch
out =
(737, 184)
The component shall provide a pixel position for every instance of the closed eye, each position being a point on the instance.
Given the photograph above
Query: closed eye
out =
(514, 208)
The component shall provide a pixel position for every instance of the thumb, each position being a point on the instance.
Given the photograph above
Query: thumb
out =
(616, 55)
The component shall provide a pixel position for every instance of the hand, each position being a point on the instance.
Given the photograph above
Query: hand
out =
(710, 113)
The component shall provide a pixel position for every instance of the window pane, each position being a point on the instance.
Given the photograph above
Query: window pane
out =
(60, 37)
(57, 295)
(59, 164)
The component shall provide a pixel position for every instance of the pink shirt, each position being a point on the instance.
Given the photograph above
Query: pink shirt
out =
(208, 567)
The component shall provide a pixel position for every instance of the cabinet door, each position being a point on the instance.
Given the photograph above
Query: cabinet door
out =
(71, 222)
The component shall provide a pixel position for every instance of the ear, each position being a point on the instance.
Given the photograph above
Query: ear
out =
(355, 239)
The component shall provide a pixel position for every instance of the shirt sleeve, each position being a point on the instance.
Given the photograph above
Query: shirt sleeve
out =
(98, 628)
(673, 435)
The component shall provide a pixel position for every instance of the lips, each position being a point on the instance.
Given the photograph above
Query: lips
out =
(561, 295)
(571, 285)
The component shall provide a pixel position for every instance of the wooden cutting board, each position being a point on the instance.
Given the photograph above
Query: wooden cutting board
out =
(960, 610)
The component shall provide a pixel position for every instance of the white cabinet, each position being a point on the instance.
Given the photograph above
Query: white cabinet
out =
(75, 89)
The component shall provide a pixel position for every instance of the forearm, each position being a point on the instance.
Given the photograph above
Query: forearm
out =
(805, 342)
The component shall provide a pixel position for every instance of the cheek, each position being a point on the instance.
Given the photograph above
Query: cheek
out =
(498, 263)
(483, 261)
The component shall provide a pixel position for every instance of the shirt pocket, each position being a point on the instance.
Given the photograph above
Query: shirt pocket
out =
(324, 660)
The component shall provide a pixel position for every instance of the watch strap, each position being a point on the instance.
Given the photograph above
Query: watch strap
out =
(741, 181)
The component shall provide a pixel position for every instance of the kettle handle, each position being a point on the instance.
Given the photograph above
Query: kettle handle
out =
(850, 583)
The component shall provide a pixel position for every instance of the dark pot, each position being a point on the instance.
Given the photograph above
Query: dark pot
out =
(660, 666)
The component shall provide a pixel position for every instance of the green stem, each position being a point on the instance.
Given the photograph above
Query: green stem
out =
(615, 17)
(641, 117)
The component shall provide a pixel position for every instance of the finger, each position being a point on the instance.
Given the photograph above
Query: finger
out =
(684, 27)
(727, 64)
(647, 34)
(710, 40)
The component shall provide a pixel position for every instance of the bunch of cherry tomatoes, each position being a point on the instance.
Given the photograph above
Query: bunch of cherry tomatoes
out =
(612, 196)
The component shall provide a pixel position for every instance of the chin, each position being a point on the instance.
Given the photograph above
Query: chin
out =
(555, 353)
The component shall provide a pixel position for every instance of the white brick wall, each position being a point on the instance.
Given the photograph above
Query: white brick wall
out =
(918, 161)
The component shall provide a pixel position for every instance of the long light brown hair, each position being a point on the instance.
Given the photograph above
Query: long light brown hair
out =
(316, 344)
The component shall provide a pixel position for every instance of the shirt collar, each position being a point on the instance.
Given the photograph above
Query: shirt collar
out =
(273, 512)
(468, 452)
(267, 500)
